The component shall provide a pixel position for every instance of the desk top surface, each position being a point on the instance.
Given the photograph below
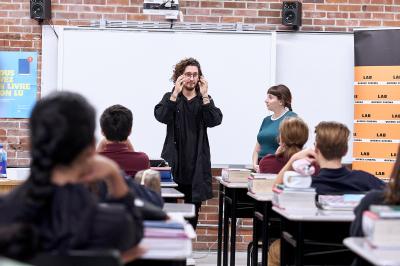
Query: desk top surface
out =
(169, 184)
(168, 192)
(231, 184)
(376, 256)
(261, 197)
(185, 209)
(315, 215)
(10, 182)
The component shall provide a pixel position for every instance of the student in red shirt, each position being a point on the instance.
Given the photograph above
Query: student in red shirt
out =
(293, 134)
(116, 126)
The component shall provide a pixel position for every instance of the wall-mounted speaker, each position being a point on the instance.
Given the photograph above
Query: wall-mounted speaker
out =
(40, 9)
(291, 14)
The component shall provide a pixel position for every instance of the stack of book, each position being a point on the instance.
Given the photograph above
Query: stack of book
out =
(291, 198)
(261, 183)
(168, 239)
(165, 173)
(381, 226)
(235, 175)
(346, 202)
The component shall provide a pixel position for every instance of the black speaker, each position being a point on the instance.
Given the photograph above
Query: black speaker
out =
(291, 14)
(40, 9)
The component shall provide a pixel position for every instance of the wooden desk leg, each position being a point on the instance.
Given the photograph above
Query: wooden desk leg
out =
(220, 210)
(233, 227)
(254, 252)
(226, 232)
(299, 244)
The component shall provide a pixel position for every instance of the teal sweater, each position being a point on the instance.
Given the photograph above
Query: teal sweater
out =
(268, 134)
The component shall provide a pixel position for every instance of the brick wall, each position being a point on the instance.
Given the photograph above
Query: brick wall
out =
(19, 33)
(208, 221)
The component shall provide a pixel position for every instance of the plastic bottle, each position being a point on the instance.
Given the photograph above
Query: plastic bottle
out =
(3, 162)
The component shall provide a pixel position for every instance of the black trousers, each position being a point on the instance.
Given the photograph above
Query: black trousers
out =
(187, 191)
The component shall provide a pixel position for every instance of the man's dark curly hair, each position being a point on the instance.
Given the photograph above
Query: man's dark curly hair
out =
(180, 67)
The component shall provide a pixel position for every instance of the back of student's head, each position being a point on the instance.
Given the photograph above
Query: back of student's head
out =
(116, 123)
(283, 94)
(150, 179)
(61, 127)
(293, 133)
(331, 139)
(392, 195)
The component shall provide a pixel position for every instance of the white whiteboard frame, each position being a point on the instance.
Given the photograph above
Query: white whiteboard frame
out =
(270, 62)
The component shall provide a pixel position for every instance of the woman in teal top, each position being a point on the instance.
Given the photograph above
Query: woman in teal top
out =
(279, 101)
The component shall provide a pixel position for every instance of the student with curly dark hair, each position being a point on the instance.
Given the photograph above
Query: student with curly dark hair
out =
(188, 111)
(55, 199)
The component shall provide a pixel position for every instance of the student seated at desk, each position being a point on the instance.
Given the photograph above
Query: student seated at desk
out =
(331, 144)
(150, 179)
(293, 134)
(116, 126)
(55, 201)
(150, 182)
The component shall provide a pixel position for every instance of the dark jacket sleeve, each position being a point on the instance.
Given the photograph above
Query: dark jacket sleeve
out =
(115, 227)
(164, 111)
(135, 221)
(373, 197)
(212, 115)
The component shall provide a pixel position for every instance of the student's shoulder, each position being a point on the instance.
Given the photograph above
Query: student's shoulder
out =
(369, 179)
(374, 197)
(141, 154)
(363, 174)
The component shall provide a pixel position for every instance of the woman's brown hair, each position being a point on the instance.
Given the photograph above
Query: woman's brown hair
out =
(293, 133)
(283, 94)
(392, 193)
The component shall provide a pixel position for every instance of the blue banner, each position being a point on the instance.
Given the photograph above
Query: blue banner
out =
(18, 83)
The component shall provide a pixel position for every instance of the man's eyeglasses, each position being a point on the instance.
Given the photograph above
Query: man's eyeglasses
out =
(189, 75)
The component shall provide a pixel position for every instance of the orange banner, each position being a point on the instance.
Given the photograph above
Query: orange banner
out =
(376, 73)
(377, 112)
(377, 93)
(378, 169)
(375, 150)
(377, 131)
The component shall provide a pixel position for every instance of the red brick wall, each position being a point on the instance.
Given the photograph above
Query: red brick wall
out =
(208, 220)
(19, 33)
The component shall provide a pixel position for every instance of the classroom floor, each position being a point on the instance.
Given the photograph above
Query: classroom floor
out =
(205, 258)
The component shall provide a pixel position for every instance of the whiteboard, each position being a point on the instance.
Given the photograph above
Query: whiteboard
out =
(133, 68)
(319, 70)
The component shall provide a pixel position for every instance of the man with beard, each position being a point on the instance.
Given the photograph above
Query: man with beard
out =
(187, 111)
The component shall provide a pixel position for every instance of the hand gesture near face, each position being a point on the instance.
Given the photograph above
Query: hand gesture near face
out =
(180, 81)
(203, 86)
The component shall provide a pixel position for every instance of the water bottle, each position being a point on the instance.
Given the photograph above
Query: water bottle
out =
(3, 162)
